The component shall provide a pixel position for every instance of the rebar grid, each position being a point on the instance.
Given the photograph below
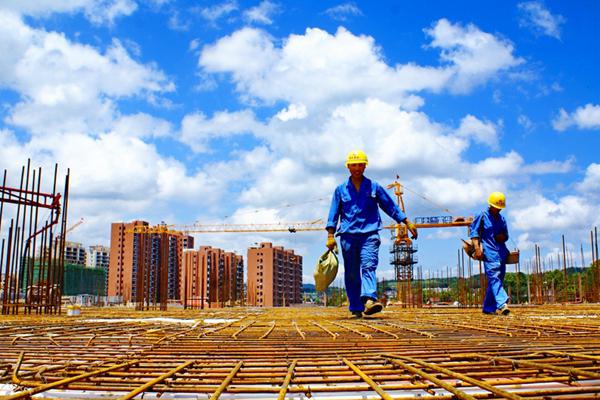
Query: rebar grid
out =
(304, 352)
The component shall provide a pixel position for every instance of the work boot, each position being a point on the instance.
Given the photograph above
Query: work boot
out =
(504, 310)
(356, 315)
(372, 307)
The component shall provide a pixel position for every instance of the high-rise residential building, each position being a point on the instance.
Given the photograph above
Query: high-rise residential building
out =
(99, 257)
(274, 276)
(212, 278)
(145, 267)
(75, 253)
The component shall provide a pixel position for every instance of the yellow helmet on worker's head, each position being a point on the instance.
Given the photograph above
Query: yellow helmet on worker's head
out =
(357, 157)
(497, 200)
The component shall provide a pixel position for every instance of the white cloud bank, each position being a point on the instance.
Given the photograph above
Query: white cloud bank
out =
(66, 86)
(586, 117)
(352, 67)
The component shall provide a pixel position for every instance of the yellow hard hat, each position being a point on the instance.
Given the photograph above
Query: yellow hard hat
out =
(497, 200)
(357, 157)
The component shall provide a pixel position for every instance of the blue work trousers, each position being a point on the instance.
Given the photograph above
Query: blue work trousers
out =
(361, 255)
(495, 295)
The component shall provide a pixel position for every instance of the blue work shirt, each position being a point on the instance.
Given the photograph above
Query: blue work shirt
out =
(359, 211)
(486, 227)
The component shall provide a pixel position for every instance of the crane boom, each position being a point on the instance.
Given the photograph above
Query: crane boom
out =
(444, 221)
(291, 227)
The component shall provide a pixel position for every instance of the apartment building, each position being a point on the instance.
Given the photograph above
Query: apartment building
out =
(212, 278)
(98, 257)
(274, 276)
(75, 253)
(145, 268)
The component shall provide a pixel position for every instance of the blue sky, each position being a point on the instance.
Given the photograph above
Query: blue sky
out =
(243, 112)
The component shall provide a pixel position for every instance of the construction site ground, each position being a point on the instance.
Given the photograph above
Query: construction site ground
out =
(542, 352)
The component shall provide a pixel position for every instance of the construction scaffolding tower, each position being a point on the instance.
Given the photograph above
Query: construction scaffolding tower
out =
(31, 260)
(403, 259)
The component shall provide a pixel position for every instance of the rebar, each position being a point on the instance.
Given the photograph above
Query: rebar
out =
(237, 353)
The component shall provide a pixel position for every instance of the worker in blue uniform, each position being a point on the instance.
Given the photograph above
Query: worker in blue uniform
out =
(355, 205)
(489, 234)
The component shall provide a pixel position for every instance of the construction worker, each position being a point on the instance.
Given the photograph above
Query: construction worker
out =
(355, 205)
(489, 234)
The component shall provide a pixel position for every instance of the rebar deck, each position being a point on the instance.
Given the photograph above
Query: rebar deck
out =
(293, 353)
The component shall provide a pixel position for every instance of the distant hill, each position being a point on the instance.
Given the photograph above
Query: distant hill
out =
(308, 288)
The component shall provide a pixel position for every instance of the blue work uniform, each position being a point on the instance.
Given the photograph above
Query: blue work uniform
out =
(486, 227)
(360, 223)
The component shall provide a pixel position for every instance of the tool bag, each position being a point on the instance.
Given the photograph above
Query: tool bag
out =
(326, 269)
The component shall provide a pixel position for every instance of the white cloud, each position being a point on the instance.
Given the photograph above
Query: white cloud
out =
(510, 164)
(525, 122)
(484, 132)
(586, 117)
(197, 130)
(142, 125)
(544, 215)
(549, 167)
(393, 138)
(294, 111)
(247, 53)
(463, 191)
(194, 45)
(318, 67)
(591, 181)
(537, 17)
(475, 56)
(262, 13)
(66, 86)
(97, 11)
(341, 12)
(105, 12)
(218, 11)
(177, 22)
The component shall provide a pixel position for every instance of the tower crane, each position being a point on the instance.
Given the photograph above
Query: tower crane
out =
(403, 251)
(68, 230)
(72, 227)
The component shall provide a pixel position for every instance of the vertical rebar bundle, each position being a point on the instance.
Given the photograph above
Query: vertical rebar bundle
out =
(32, 253)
